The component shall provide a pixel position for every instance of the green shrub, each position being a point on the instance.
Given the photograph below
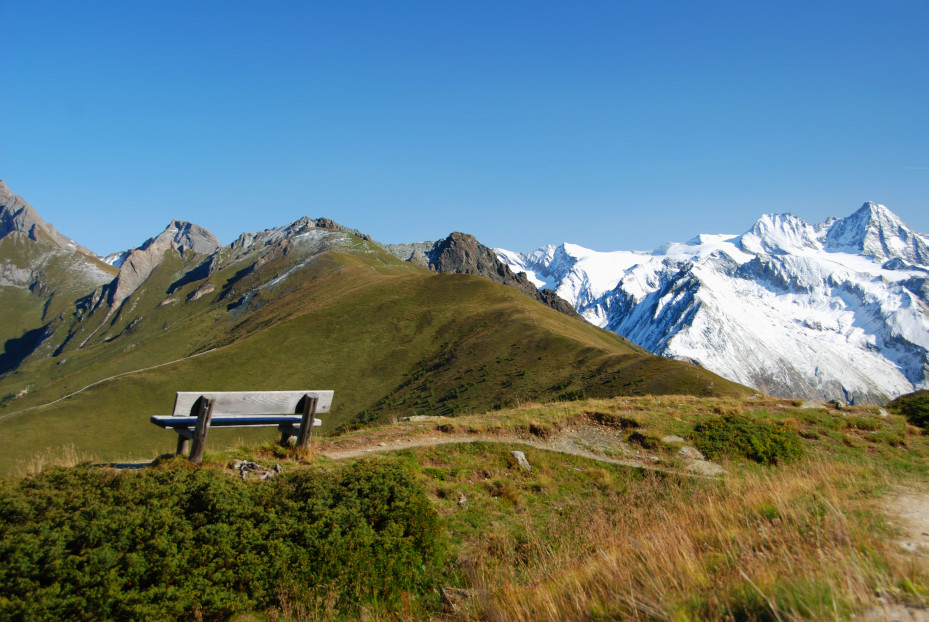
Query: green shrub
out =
(176, 542)
(732, 436)
(913, 406)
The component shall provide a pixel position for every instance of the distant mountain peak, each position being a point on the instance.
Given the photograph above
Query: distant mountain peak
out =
(836, 310)
(138, 264)
(18, 215)
(779, 233)
(875, 231)
(184, 237)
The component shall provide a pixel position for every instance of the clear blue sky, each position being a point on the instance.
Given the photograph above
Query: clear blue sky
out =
(609, 124)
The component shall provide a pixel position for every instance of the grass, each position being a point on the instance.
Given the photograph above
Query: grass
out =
(577, 538)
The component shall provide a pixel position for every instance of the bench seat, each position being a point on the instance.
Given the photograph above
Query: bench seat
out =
(238, 421)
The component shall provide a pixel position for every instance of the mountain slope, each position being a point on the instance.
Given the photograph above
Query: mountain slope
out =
(836, 311)
(42, 272)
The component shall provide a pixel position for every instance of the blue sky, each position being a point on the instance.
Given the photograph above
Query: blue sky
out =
(614, 125)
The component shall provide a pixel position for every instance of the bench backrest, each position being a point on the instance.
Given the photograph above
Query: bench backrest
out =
(252, 402)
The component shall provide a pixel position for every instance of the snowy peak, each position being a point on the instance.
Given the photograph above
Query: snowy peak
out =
(779, 234)
(839, 310)
(875, 231)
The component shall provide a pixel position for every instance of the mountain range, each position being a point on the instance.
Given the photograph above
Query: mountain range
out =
(837, 310)
(94, 346)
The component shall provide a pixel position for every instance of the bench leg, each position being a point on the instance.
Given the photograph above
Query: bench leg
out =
(306, 424)
(286, 434)
(183, 445)
(204, 409)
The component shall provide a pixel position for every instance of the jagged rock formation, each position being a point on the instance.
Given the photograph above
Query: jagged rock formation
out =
(837, 310)
(17, 215)
(35, 256)
(182, 236)
(461, 253)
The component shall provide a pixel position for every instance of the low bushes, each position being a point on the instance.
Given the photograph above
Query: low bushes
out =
(177, 542)
(915, 407)
(761, 441)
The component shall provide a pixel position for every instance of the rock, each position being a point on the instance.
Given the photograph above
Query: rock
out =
(691, 453)
(812, 404)
(246, 468)
(455, 597)
(671, 438)
(883, 413)
(521, 460)
(462, 500)
(888, 611)
(705, 467)
(200, 292)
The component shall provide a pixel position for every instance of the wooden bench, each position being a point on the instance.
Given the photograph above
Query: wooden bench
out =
(293, 412)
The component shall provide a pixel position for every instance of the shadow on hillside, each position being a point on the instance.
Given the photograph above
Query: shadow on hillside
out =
(16, 350)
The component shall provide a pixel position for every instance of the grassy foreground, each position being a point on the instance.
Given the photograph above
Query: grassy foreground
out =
(798, 527)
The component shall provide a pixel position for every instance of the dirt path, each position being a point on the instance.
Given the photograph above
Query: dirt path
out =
(101, 381)
(584, 441)
(908, 510)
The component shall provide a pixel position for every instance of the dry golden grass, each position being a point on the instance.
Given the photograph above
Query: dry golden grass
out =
(799, 542)
(62, 456)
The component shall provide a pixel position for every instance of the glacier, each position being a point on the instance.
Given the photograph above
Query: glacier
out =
(837, 310)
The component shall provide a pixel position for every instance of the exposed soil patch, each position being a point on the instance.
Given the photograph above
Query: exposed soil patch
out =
(909, 512)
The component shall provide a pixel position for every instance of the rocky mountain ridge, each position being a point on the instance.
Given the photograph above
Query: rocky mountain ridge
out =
(36, 257)
(837, 310)
(461, 253)
(16, 215)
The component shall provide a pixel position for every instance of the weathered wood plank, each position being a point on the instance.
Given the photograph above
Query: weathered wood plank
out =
(252, 402)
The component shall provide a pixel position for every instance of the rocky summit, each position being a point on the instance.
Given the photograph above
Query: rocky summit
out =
(461, 253)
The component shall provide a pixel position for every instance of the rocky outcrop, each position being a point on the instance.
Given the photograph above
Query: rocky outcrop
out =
(182, 236)
(461, 253)
(331, 225)
(17, 215)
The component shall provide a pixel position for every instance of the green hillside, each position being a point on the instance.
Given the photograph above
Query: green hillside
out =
(391, 340)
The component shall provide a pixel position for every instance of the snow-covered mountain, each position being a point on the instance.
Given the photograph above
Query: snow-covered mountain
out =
(838, 310)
